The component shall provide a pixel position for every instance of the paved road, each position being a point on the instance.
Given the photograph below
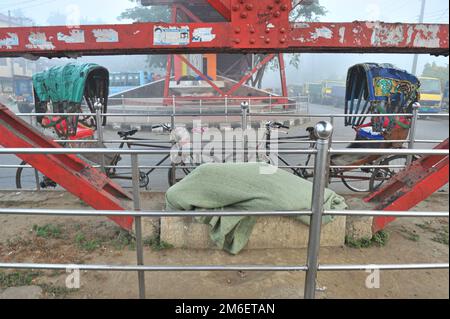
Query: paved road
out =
(436, 128)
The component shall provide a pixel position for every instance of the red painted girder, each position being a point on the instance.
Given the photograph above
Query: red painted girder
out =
(227, 37)
(222, 6)
(411, 186)
(414, 195)
(69, 171)
(246, 77)
(200, 74)
(375, 37)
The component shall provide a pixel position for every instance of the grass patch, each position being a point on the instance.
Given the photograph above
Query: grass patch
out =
(122, 239)
(441, 236)
(410, 234)
(56, 291)
(155, 243)
(380, 239)
(48, 231)
(18, 279)
(86, 244)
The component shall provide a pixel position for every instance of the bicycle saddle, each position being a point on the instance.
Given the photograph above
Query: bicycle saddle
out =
(123, 134)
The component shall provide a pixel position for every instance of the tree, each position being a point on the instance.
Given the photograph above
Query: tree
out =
(433, 70)
(309, 10)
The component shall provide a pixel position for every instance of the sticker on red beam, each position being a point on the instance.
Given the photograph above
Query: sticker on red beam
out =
(171, 35)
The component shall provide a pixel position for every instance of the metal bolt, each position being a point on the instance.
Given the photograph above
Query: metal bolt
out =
(237, 30)
(282, 30)
(252, 41)
(284, 7)
(277, 14)
(235, 7)
(282, 40)
(270, 7)
(249, 6)
(267, 40)
(244, 15)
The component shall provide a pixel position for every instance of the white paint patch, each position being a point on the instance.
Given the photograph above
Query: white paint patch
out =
(75, 36)
(341, 35)
(11, 40)
(105, 35)
(410, 34)
(270, 26)
(38, 40)
(427, 36)
(322, 33)
(203, 35)
(387, 35)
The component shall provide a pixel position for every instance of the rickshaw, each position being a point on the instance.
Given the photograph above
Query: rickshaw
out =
(68, 89)
(63, 89)
(376, 89)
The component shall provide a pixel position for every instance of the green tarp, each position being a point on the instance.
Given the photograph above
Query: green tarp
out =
(243, 187)
(64, 83)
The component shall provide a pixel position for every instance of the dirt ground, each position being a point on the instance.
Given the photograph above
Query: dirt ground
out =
(93, 240)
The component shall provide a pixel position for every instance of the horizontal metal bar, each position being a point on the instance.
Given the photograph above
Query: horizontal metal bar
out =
(383, 267)
(373, 151)
(130, 151)
(323, 267)
(72, 212)
(385, 213)
(268, 114)
(151, 268)
(366, 166)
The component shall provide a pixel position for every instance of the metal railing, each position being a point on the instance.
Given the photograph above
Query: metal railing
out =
(323, 131)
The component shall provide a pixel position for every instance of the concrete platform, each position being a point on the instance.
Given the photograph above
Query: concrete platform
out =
(268, 233)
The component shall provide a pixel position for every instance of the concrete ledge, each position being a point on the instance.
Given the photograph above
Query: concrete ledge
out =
(268, 233)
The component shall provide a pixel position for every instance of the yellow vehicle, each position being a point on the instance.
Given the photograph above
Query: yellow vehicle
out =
(333, 92)
(430, 95)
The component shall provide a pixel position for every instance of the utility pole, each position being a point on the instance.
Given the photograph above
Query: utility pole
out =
(416, 56)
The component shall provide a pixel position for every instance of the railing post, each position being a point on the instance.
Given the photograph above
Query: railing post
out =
(99, 120)
(244, 110)
(412, 131)
(323, 131)
(138, 224)
(226, 108)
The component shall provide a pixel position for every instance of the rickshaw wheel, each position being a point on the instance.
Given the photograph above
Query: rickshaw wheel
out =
(381, 175)
(360, 183)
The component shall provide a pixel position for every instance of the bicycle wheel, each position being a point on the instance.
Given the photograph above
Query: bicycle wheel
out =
(381, 175)
(357, 180)
(29, 180)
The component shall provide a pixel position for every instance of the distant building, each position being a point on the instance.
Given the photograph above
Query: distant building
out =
(10, 68)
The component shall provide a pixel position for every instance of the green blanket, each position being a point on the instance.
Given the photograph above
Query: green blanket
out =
(242, 187)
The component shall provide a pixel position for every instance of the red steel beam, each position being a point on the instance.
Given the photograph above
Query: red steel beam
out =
(222, 6)
(200, 74)
(267, 59)
(226, 37)
(69, 171)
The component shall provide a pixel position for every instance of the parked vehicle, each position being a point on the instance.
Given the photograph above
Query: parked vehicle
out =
(23, 94)
(333, 92)
(444, 103)
(430, 95)
(314, 90)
